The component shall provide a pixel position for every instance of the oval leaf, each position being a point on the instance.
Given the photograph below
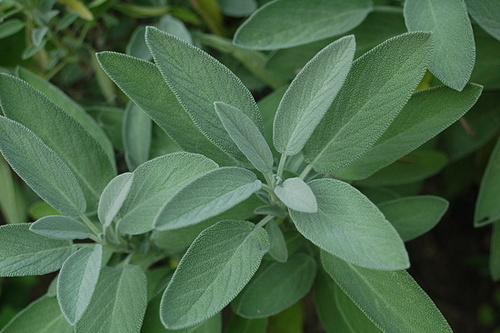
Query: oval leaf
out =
(11, 27)
(297, 195)
(351, 227)
(60, 227)
(220, 262)
(487, 204)
(278, 249)
(211, 194)
(136, 133)
(486, 13)
(113, 196)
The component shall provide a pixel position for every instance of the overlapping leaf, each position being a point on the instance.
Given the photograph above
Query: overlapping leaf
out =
(60, 227)
(113, 196)
(487, 204)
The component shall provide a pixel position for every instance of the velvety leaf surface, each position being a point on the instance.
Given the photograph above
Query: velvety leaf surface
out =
(427, 113)
(310, 95)
(137, 131)
(414, 216)
(278, 250)
(113, 196)
(118, 304)
(297, 195)
(23, 252)
(41, 168)
(60, 227)
(454, 49)
(351, 227)
(237, 8)
(391, 299)
(488, 200)
(276, 287)
(209, 195)
(281, 24)
(77, 281)
(220, 262)
(382, 80)
(486, 13)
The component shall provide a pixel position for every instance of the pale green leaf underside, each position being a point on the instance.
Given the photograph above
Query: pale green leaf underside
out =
(297, 195)
(209, 195)
(414, 216)
(278, 250)
(60, 227)
(376, 89)
(486, 14)
(454, 49)
(41, 168)
(391, 299)
(23, 252)
(113, 196)
(77, 281)
(310, 95)
(246, 135)
(488, 201)
(351, 227)
(282, 24)
(118, 304)
(220, 262)
(427, 113)
(276, 287)
(155, 182)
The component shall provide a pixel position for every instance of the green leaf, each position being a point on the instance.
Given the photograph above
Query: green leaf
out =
(239, 324)
(310, 95)
(383, 80)
(416, 166)
(113, 196)
(155, 182)
(137, 131)
(77, 282)
(143, 83)
(118, 304)
(43, 315)
(392, 300)
(275, 287)
(495, 252)
(487, 207)
(220, 262)
(198, 80)
(485, 13)
(351, 227)
(11, 27)
(23, 252)
(281, 24)
(38, 34)
(237, 8)
(69, 106)
(12, 202)
(41, 168)
(246, 135)
(278, 249)
(427, 113)
(175, 27)
(336, 311)
(211, 194)
(454, 50)
(297, 195)
(60, 227)
(414, 216)
(61, 133)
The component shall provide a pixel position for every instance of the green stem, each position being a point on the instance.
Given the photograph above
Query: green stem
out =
(90, 225)
(262, 223)
(306, 171)
(281, 165)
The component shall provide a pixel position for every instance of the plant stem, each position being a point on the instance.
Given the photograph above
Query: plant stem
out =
(262, 223)
(281, 165)
(90, 225)
(306, 171)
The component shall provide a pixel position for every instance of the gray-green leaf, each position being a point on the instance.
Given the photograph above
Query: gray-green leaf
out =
(246, 135)
(77, 282)
(454, 49)
(220, 262)
(486, 13)
(113, 196)
(41, 168)
(376, 89)
(351, 227)
(310, 95)
(278, 249)
(11, 27)
(136, 133)
(488, 200)
(211, 194)
(23, 252)
(392, 300)
(60, 227)
(282, 24)
(297, 195)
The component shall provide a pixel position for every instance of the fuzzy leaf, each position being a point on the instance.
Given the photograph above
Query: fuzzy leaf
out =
(198, 80)
(275, 287)
(382, 80)
(209, 195)
(392, 300)
(137, 131)
(454, 50)
(488, 200)
(60, 227)
(41, 168)
(310, 95)
(118, 304)
(278, 249)
(486, 13)
(155, 182)
(113, 196)
(297, 195)
(77, 281)
(23, 252)
(281, 24)
(11, 27)
(220, 262)
(246, 135)
(351, 227)
(414, 216)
